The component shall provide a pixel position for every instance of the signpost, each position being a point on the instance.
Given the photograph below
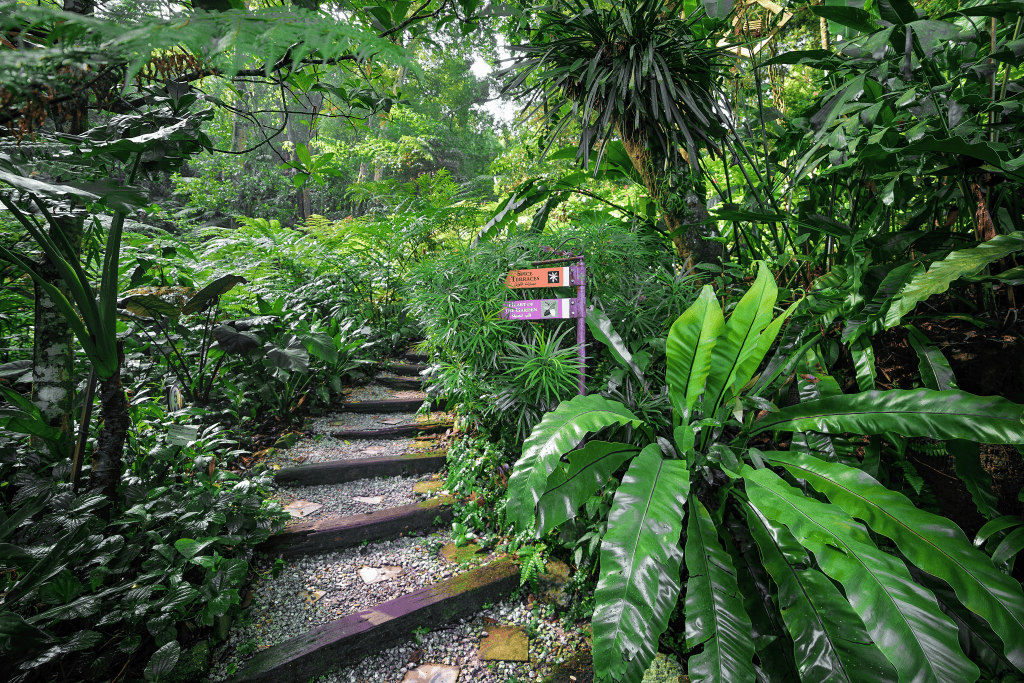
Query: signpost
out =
(574, 275)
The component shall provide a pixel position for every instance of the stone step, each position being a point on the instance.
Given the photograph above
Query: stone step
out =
(406, 369)
(344, 532)
(399, 432)
(347, 640)
(401, 383)
(400, 405)
(340, 471)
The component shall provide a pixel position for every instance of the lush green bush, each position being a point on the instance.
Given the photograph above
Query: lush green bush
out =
(89, 588)
(505, 374)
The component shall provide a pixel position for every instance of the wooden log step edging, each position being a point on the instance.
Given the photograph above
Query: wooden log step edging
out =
(399, 432)
(348, 640)
(406, 369)
(341, 471)
(413, 357)
(400, 405)
(406, 383)
(344, 532)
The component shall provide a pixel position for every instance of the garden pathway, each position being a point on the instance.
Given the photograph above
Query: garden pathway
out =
(370, 591)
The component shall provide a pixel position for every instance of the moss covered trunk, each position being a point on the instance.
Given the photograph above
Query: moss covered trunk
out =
(53, 351)
(682, 205)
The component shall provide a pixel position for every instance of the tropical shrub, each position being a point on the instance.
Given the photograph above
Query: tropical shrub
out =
(507, 373)
(82, 597)
(740, 484)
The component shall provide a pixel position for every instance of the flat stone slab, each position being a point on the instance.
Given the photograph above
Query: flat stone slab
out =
(426, 487)
(505, 644)
(433, 673)
(378, 574)
(344, 532)
(341, 471)
(350, 639)
(366, 500)
(457, 555)
(302, 508)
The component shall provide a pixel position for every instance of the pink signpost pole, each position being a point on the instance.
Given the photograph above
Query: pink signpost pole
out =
(580, 273)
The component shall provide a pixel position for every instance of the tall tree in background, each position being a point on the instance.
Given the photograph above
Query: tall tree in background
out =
(53, 350)
(637, 71)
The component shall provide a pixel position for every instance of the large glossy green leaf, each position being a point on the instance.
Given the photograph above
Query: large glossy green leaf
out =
(211, 292)
(640, 557)
(903, 618)
(752, 314)
(600, 326)
(950, 414)
(935, 371)
(933, 543)
(868, 321)
(864, 363)
(689, 346)
(569, 487)
(829, 639)
(715, 616)
(941, 273)
(560, 431)
(752, 360)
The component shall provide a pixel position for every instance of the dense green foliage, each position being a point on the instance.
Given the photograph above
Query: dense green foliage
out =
(791, 222)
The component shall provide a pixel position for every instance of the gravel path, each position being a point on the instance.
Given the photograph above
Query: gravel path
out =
(455, 644)
(375, 392)
(339, 421)
(338, 499)
(317, 589)
(322, 448)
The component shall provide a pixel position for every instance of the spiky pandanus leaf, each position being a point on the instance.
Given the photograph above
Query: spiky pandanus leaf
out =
(830, 641)
(559, 432)
(640, 557)
(916, 412)
(902, 618)
(569, 487)
(933, 543)
(715, 616)
(688, 349)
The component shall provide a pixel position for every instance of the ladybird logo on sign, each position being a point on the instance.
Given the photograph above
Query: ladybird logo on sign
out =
(538, 277)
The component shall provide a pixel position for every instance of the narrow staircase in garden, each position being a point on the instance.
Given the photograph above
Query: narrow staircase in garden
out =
(373, 444)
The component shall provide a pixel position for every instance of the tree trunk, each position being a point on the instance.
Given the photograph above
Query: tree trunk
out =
(108, 456)
(683, 207)
(53, 350)
(53, 354)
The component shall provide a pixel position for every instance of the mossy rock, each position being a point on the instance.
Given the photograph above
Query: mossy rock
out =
(192, 665)
(459, 555)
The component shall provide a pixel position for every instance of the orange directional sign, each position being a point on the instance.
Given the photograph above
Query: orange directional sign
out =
(538, 277)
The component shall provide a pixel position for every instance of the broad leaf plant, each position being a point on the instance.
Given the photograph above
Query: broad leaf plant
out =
(753, 479)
